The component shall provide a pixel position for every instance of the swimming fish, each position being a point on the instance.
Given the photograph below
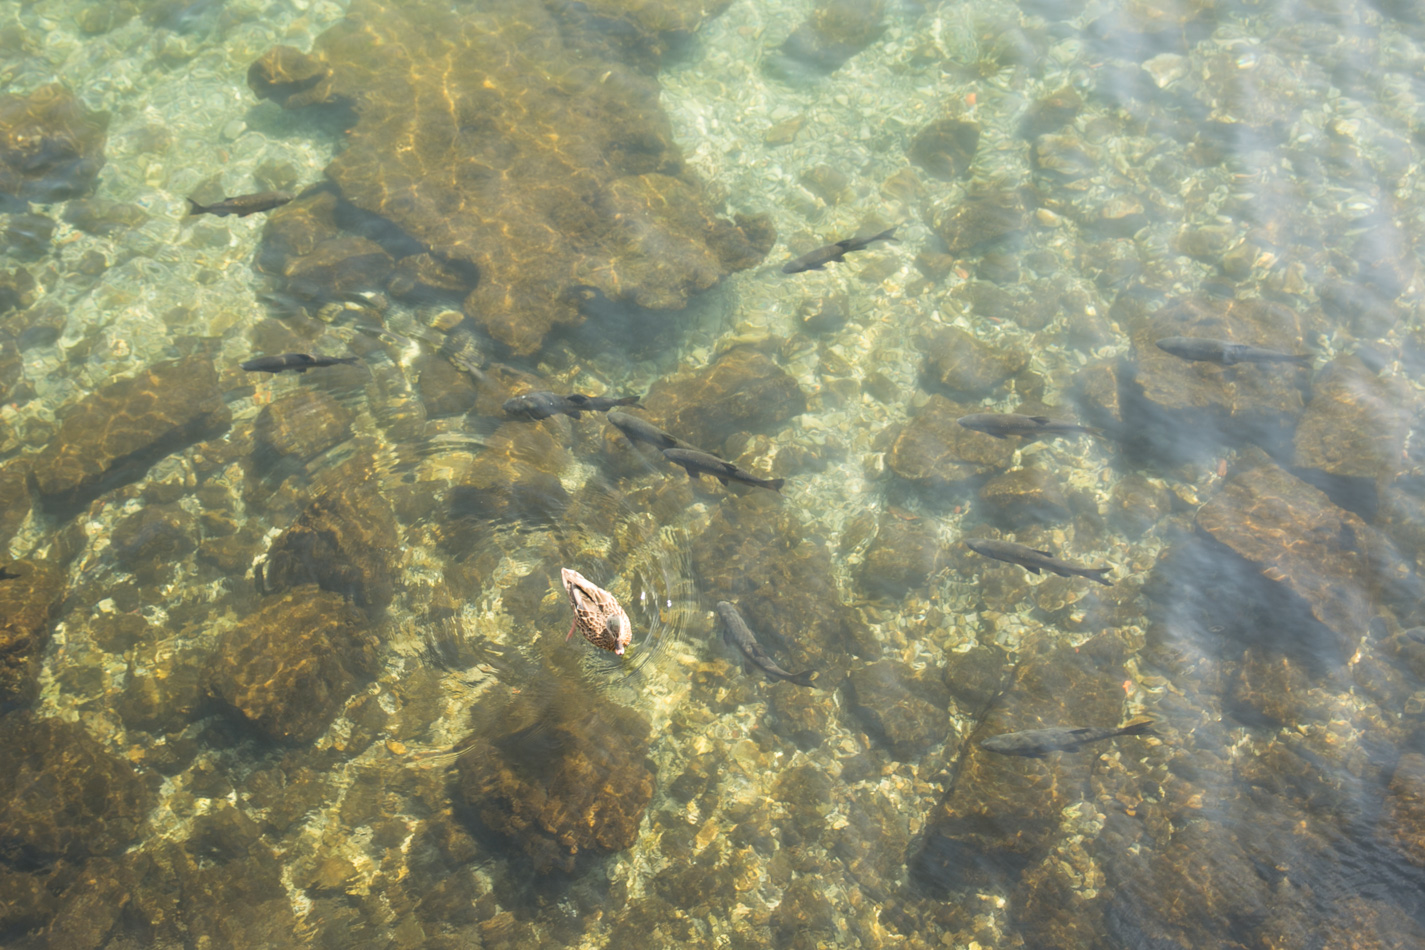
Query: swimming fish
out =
(1035, 561)
(597, 615)
(1037, 742)
(299, 362)
(834, 253)
(1202, 350)
(641, 430)
(697, 463)
(6, 575)
(542, 405)
(735, 633)
(241, 205)
(1004, 424)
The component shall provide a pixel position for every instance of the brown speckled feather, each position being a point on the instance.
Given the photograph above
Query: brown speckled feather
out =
(597, 615)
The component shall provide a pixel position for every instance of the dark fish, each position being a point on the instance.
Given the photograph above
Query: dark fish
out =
(6, 575)
(241, 205)
(298, 362)
(542, 405)
(735, 633)
(641, 430)
(697, 463)
(1035, 561)
(1220, 351)
(1003, 424)
(1037, 742)
(834, 253)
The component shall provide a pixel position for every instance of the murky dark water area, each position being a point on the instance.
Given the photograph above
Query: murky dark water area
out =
(990, 433)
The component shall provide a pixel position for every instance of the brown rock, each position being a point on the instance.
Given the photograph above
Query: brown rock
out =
(51, 146)
(543, 180)
(111, 437)
(963, 365)
(149, 542)
(836, 31)
(743, 391)
(290, 668)
(945, 148)
(302, 423)
(977, 223)
(889, 698)
(28, 605)
(936, 452)
(65, 796)
(561, 772)
(343, 542)
(1022, 497)
(903, 554)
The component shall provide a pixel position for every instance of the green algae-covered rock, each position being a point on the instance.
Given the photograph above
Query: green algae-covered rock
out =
(65, 796)
(290, 668)
(112, 436)
(28, 605)
(562, 772)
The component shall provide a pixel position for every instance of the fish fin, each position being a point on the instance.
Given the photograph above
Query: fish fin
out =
(575, 413)
(1042, 420)
(1032, 570)
(1143, 727)
(1098, 574)
(1304, 360)
(195, 208)
(889, 234)
(775, 484)
(578, 399)
(850, 244)
(301, 369)
(1045, 553)
(817, 267)
(721, 478)
(805, 678)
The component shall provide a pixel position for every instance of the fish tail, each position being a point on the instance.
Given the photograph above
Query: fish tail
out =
(889, 234)
(1141, 727)
(1099, 574)
(349, 360)
(1303, 360)
(194, 207)
(629, 401)
(773, 483)
(805, 678)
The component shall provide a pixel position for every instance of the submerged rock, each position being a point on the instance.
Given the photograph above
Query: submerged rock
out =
(965, 366)
(946, 148)
(1176, 409)
(302, 423)
(65, 796)
(555, 174)
(935, 452)
(1352, 434)
(742, 391)
(890, 700)
(290, 668)
(1023, 497)
(344, 542)
(561, 772)
(112, 436)
(903, 554)
(51, 146)
(836, 31)
(1336, 563)
(1403, 818)
(28, 605)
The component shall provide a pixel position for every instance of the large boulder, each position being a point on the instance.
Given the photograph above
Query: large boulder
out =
(112, 436)
(51, 146)
(289, 669)
(742, 391)
(519, 154)
(344, 542)
(562, 772)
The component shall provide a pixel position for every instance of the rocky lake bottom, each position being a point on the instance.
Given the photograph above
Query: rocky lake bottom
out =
(282, 654)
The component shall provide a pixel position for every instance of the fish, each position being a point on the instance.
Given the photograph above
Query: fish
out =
(597, 614)
(697, 463)
(298, 362)
(1035, 743)
(241, 205)
(1035, 561)
(1004, 424)
(1203, 350)
(641, 430)
(735, 633)
(542, 405)
(834, 253)
(7, 575)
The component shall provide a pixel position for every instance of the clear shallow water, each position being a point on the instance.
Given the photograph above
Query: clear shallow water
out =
(289, 665)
